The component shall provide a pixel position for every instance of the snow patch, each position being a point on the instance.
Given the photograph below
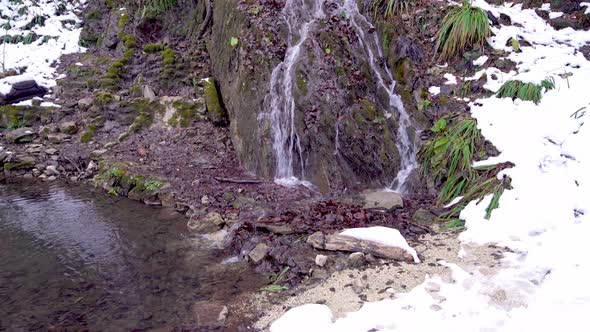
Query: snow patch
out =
(434, 90)
(451, 79)
(481, 60)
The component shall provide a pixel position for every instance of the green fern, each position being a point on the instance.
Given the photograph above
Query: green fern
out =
(463, 27)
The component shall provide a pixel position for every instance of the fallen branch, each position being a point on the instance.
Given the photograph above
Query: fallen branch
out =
(207, 20)
(242, 181)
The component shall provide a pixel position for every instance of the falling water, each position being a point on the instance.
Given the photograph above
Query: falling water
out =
(373, 48)
(299, 17)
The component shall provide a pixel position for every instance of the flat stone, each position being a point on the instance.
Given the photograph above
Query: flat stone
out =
(51, 151)
(382, 200)
(277, 229)
(423, 216)
(259, 252)
(148, 93)
(20, 135)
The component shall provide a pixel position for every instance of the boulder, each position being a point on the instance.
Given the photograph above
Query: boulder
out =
(20, 135)
(381, 200)
(259, 252)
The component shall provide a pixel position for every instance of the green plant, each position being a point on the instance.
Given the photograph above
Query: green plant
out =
(463, 27)
(153, 48)
(525, 91)
(152, 8)
(391, 7)
(153, 185)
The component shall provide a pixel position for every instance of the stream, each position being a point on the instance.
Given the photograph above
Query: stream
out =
(73, 259)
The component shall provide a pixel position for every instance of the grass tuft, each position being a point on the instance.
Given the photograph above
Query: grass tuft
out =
(463, 27)
(389, 8)
(525, 91)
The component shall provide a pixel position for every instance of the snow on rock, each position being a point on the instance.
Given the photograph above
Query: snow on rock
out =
(59, 34)
(309, 317)
(451, 79)
(481, 60)
(542, 283)
(382, 235)
(434, 90)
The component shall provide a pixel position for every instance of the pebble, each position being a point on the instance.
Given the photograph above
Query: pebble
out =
(320, 260)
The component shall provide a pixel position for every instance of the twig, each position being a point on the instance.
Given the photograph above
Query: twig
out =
(238, 180)
(75, 165)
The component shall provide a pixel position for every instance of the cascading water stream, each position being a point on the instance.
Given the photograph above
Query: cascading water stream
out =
(299, 16)
(371, 45)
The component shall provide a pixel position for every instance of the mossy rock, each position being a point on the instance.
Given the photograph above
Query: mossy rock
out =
(213, 102)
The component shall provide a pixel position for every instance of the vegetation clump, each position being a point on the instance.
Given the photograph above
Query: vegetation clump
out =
(390, 8)
(153, 48)
(463, 27)
(447, 158)
(525, 91)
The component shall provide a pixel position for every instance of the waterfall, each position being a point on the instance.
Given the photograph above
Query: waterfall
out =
(299, 17)
(372, 47)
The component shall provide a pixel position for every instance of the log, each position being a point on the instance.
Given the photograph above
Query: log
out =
(337, 242)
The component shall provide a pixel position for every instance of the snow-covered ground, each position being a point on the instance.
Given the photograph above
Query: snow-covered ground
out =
(57, 35)
(544, 281)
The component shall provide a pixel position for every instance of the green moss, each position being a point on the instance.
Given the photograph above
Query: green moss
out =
(369, 109)
(88, 134)
(93, 15)
(186, 113)
(123, 20)
(212, 101)
(301, 83)
(129, 41)
(11, 166)
(168, 56)
(103, 98)
(12, 117)
(153, 48)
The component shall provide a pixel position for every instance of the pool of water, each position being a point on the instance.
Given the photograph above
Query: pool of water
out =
(73, 259)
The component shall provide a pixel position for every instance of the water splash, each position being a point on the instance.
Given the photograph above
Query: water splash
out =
(372, 47)
(299, 16)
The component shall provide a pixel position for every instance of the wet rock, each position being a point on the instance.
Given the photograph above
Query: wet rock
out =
(85, 103)
(321, 260)
(20, 135)
(504, 19)
(423, 216)
(51, 170)
(566, 6)
(68, 127)
(212, 222)
(562, 23)
(259, 252)
(210, 314)
(167, 199)
(277, 229)
(22, 90)
(381, 200)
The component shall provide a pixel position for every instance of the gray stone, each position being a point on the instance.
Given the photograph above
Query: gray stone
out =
(212, 222)
(85, 103)
(96, 154)
(68, 127)
(319, 274)
(321, 260)
(51, 178)
(259, 252)
(148, 93)
(277, 229)
(382, 200)
(20, 135)
(51, 170)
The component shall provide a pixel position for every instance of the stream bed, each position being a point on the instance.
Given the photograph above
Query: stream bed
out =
(74, 259)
